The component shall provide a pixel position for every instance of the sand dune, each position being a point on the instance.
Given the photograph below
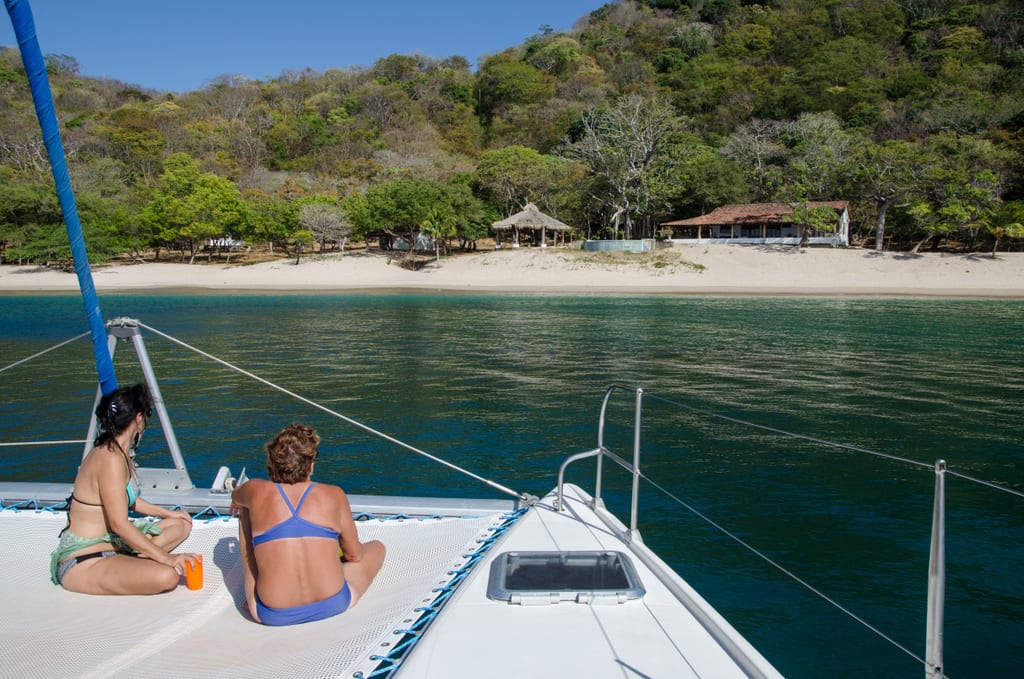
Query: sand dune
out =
(680, 270)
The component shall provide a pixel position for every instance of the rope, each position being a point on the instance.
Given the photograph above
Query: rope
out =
(39, 443)
(391, 661)
(774, 430)
(764, 557)
(983, 482)
(783, 569)
(834, 444)
(33, 504)
(497, 486)
(44, 351)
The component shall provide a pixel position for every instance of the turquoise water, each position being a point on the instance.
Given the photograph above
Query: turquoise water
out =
(508, 386)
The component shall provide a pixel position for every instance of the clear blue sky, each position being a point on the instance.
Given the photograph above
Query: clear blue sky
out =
(180, 45)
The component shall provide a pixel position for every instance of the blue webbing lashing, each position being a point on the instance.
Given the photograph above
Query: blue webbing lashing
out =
(39, 83)
(410, 636)
(34, 505)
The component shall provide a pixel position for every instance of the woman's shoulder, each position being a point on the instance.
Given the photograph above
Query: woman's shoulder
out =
(104, 459)
(328, 489)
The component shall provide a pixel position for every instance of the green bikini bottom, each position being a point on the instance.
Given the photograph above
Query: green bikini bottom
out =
(72, 542)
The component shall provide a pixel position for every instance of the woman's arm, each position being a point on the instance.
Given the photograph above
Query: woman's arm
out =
(147, 508)
(348, 536)
(241, 497)
(112, 478)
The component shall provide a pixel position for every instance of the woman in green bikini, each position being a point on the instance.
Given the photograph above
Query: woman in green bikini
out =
(100, 548)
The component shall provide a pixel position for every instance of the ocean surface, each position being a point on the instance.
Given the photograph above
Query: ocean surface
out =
(507, 386)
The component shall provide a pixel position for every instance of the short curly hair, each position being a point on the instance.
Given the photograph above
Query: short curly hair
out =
(291, 454)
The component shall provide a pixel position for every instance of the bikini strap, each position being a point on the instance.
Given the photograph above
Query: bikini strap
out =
(284, 496)
(303, 498)
(294, 510)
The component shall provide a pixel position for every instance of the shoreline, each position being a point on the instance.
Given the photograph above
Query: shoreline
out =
(683, 270)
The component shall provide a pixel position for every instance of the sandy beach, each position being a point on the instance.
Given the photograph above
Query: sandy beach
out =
(679, 270)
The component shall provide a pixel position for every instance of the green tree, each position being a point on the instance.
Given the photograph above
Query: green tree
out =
(1006, 221)
(503, 82)
(301, 240)
(191, 206)
(884, 174)
(396, 208)
(267, 217)
(515, 175)
(440, 224)
(959, 188)
(135, 140)
(400, 208)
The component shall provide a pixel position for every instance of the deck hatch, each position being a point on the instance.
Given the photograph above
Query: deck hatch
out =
(538, 578)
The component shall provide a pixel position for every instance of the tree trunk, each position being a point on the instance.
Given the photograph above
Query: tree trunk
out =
(880, 227)
(917, 248)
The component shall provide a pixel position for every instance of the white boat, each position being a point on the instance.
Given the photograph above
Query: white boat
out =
(506, 587)
(560, 579)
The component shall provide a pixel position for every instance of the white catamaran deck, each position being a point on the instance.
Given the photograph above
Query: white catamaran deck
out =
(48, 632)
(654, 636)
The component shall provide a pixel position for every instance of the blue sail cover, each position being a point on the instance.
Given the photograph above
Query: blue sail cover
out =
(39, 82)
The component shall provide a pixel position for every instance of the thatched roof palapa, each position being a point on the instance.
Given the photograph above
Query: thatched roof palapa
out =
(530, 218)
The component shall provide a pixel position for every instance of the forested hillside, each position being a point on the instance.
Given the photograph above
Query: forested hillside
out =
(645, 111)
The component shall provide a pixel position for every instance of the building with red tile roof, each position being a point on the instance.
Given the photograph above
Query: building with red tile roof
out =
(762, 223)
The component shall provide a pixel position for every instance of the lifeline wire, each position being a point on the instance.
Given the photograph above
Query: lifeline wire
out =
(783, 569)
(834, 444)
(44, 351)
(522, 496)
(40, 443)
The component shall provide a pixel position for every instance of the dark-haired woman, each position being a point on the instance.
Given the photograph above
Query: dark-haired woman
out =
(100, 548)
(290, 531)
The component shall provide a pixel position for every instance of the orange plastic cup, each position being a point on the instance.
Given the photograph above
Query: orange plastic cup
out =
(194, 573)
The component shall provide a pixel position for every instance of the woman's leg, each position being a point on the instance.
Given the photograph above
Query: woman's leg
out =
(120, 574)
(173, 532)
(360, 574)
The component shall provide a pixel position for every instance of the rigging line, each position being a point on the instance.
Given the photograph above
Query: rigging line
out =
(522, 496)
(44, 351)
(813, 439)
(834, 444)
(786, 571)
(990, 484)
(38, 443)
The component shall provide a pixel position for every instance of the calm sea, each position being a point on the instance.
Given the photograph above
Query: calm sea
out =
(507, 386)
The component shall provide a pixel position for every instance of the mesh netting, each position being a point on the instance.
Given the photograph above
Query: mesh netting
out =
(46, 631)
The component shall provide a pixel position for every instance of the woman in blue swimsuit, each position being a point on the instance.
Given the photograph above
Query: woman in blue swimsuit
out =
(290, 530)
(99, 549)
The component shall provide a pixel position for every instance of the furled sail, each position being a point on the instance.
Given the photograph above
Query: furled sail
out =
(39, 82)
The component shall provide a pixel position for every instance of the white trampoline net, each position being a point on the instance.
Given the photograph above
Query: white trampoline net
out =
(46, 631)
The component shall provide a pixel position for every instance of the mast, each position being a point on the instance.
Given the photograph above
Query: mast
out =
(39, 82)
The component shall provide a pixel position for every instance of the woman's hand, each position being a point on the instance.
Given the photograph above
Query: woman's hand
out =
(179, 514)
(178, 561)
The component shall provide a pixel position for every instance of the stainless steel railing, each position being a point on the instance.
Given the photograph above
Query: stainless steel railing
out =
(933, 657)
(602, 451)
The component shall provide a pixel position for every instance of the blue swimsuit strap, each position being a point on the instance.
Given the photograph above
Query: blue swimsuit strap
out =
(294, 510)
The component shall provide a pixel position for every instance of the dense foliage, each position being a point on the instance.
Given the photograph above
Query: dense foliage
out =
(648, 110)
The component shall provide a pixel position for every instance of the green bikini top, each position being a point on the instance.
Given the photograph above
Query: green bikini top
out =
(131, 489)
